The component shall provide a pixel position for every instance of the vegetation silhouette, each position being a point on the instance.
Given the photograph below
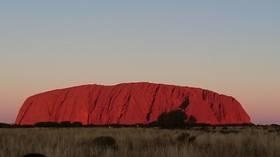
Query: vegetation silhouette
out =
(61, 124)
(173, 119)
(105, 142)
(5, 125)
(177, 118)
(34, 155)
(185, 138)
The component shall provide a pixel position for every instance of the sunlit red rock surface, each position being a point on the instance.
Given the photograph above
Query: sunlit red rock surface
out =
(129, 103)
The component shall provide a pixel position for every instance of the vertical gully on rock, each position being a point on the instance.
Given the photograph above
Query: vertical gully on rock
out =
(152, 103)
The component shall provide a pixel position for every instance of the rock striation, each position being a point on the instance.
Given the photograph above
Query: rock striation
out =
(128, 104)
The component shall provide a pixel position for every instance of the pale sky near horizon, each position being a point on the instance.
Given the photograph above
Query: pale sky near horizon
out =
(229, 47)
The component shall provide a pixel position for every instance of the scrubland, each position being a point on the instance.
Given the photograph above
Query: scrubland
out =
(211, 141)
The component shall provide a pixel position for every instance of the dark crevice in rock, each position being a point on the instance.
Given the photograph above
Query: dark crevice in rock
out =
(110, 107)
(125, 106)
(60, 105)
(93, 105)
(152, 104)
(204, 95)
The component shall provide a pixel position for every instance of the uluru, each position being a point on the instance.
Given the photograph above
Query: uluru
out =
(130, 103)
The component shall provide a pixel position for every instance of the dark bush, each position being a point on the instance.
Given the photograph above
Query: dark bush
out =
(225, 128)
(77, 124)
(65, 124)
(105, 142)
(182, 138)
(185, 138)
(47, 124)
(173, 119)
(57, 125)
(34, 155)
(191, 139)
(191, 120)
(4, 125)
(275, 126)
(229, 131)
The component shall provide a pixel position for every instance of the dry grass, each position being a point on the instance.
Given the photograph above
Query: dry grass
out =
(139, 142)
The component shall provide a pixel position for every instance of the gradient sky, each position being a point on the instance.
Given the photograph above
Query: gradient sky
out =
(232, 47)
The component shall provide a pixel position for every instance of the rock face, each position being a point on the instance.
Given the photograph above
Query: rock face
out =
(129, 103)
